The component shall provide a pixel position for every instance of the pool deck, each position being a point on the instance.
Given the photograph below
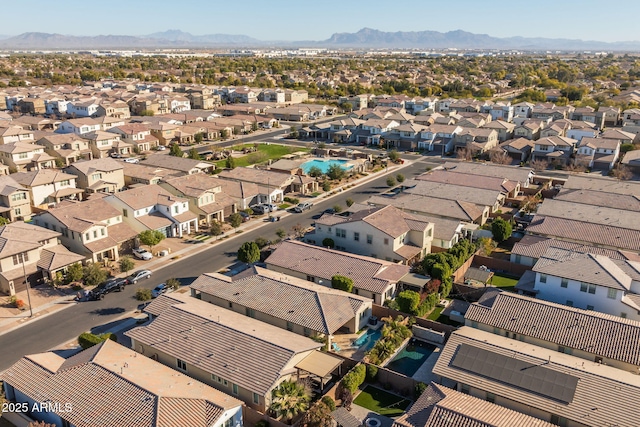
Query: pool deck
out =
(425, 372)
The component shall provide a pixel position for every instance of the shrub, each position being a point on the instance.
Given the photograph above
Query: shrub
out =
(408, 302)
(391, 181)
(350, 202)
(326, 186)
(292, 200)
(328, 242)
(249, 252)
(342, 282)
(261, 242)
(126, 264)
(87, 339)
(372, 373)
(400, 178)
(143, 294)
(173, 283)
(354, 378)
(327, 400)
(93, 275)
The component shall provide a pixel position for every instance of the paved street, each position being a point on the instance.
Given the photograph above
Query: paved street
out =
(64, 325)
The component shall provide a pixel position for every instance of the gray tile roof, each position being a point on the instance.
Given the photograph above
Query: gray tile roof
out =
(421, 204)
(602, 394)
(583, 267)
(298, 301)
(615, 217)
(440, 406)
(448, 191)
(238, 348)
(107, 376)
(608, 185)
(512, 173)
(601, 198)
(535, 246)
(597, 333)
(468, 180)
(369, 274)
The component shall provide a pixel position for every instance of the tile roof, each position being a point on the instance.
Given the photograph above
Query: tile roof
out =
(608, 185)
(79, 216)
(625, 202)
(603, 215)
(57, 257)
(298, 301)
(593, 332)
(535, 246)
(194, 185)
(440, 406)
(419, 204)
(108, 376)
(175, 163)
(468, 180)
(512, 173)
(17, 237)
(617, 391)
(41, 177)
(148, 195)
(367, 273)
(258, 176)
(243, 350)
(87, 167)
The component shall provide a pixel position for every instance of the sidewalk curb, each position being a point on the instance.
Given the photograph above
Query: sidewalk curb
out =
(163, 262)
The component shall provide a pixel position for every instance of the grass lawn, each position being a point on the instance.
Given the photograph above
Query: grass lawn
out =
(265, 152)
(504, 282)
(436, 315)
(381, 402)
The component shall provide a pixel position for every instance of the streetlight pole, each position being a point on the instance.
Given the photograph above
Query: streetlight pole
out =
(26, 282)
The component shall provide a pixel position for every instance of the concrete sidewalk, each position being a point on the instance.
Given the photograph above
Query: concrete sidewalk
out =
(11, 323)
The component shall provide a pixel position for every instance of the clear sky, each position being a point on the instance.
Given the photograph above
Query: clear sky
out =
(317, 20)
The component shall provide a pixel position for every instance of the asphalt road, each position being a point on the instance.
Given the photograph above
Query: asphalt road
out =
(64, 325)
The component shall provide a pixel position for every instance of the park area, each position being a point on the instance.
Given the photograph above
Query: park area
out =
(263, 153)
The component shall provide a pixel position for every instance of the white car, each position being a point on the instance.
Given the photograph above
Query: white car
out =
(142, 254)
(161, 148)
(132, 160)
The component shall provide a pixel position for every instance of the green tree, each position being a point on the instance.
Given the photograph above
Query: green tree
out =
(147, 113)
(93, 274)
(74, 273)
(175, 150)
(4, 221)
(400, 178)
(501, 229)
(254, 126)
(393, 155)
(326, 186)
(230, 163)
(441, 271)
(337, 208)
(281, 233)
(235, 219)
(342, 282)
(328, 242)
(314, 172)
(216, 228)
(625, 148)
(143, 294)
(408, 302)
(391, 181)
(198, 138)
(126, 264)
(87, 339)
(261, 242)
(349, 202)
(293, 133)
(335, 171)
(151, 238)
(327, 400)
(289, 399)
(224, 134)
(173, 283)
(193, 154)
(249, 252)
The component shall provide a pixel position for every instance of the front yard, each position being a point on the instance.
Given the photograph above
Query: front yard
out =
(381, 402)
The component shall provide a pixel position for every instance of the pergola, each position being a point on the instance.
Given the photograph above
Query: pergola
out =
(319, 365)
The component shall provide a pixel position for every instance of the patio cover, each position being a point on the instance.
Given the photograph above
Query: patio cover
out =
(319, 364)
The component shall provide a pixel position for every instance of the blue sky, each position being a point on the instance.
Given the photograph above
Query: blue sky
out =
(317, 20)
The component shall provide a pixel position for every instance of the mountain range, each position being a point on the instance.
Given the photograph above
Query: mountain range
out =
(365, 38)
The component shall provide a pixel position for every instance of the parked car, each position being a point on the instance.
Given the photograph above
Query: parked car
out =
(301, 207)
(139, 275)
(141, 253)
(245, 216)
(116, 155)
(161, 148)
(115, 284)
(162, 288)
(259, 209)
(271, 207)
(132, 160)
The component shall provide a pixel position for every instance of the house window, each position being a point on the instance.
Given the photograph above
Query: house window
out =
(612, 293)
(64, 182)
(564, 283)
(340, 232)
(356, 236)
(18, 196)
(251, 312)
(592, 289)
(102, 231)
(175, 209)
(464, 388)
(386, 241)
(95, 234)
(17, 211)
(290, 326)
(125, 212)
(584, 287)
(311, 278)
(86, 236)
(565, 350)
(543, 278)
(230, 304)
(96, 176)
(182, 365)
(569, 303)
(589, 307)
(234, 389)
(369, 239)
(491, 397)
(20, 258)
(256, 398)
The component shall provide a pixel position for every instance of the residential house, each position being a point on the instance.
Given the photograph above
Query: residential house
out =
(295, 96)
(178, 164)
(79, 126)
(137, 134)
(504, 129)
(277, 183)
(523, 109)
(439, 138)
(438, 187)
(554, 129)
(30, 254)
(31, 106)
(438, 406)
(502, 111)
(56, 106)
(519, 149)
(611, 115)
(136, 174)
(479, 140)
(151, 207)
(206, 199)
(588, 114)
(620, 135)
(513, 173)
(47, 187)
(372, 278)
(66, 148)
(606, 185)
(529, 130)
(92, 228)
(598, 153)
(244, 194)
(164, 132)
(117, 109)
(98, 175)
(373, 130)
(580, 130)
(405, 136)
(12, 133)
(154, 395)
(631, 159)
(15, 202)
(36, 123)
(357, 102)
(22, 156)
(531, 379)
(237, 353)
(80, 108)
(287, 302)
(455, 178)
(380, 232)
(554, 149)
(103, 144)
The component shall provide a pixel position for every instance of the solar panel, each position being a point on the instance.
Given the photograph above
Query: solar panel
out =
(538, 379)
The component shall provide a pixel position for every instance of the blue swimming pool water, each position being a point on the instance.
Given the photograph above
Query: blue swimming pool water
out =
(324, 165)
(410, 358)
(367, 340)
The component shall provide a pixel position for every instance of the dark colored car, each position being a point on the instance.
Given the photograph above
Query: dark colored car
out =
(245, 216)
(115, 284)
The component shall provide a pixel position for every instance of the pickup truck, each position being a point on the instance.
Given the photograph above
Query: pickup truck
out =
(107, 287)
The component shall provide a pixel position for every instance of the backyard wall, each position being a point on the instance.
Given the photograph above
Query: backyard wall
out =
(381, 311)
(499, 265)
(458, 275)
(396, 382)
(428, 334)
(251, 417)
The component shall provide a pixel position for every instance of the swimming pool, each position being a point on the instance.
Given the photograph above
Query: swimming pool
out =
(367, 340)
(411, 357)
(324, 165)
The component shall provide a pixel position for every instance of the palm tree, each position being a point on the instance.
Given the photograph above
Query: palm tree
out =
(289, 399)
(385, 350)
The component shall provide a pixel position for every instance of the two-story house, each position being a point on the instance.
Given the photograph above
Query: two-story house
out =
(10, 133)
(137, 134)
(48, 187)
(98, 175)
(79, 126)
(504, 129)
(438, 138)
(92, 228)
(103, 144)
(379, 232)
(152, 207)
(22, 156)
(15, 201)
(80, 108)
(67, 147)
(556, 149)
(598, 153)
